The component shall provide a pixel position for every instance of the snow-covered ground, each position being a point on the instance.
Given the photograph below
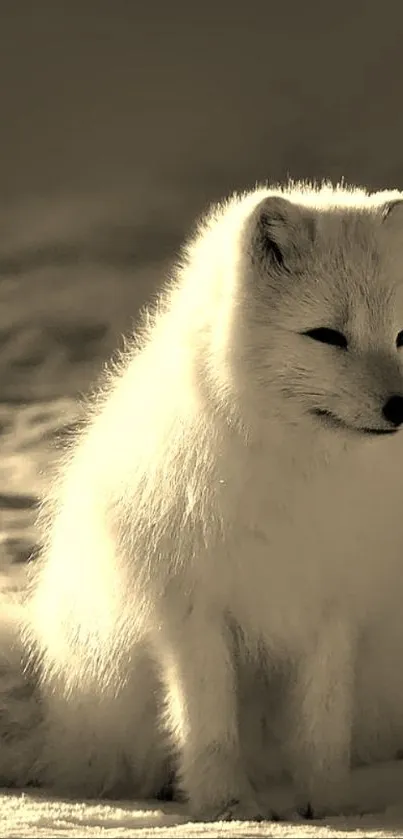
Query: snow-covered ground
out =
(36, 815)
(72, 278)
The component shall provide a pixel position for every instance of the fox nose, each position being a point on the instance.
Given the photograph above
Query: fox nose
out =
(393, 410)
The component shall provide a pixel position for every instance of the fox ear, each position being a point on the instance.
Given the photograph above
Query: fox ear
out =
(392, 212)
(281, 232)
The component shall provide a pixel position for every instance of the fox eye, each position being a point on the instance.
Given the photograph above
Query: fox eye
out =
(399, 339)
(330, 336)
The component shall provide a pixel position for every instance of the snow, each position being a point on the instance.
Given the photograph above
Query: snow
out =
(32, 815)
(35, 814)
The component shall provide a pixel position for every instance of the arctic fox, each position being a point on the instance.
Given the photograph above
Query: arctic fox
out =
(231, 512)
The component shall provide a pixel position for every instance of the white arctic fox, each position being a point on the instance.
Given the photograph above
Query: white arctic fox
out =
(231, 512)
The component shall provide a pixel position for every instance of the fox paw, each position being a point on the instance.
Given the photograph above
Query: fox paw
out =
(240, 810)
(236, 809)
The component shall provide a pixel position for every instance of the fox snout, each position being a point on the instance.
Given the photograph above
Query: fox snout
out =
(392, 410)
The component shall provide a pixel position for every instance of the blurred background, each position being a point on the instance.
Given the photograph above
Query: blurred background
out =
(120, 121)
(97, 91)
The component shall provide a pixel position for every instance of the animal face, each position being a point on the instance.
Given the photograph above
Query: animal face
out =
(325, 333)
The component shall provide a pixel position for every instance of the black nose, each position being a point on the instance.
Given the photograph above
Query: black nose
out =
(393, 410)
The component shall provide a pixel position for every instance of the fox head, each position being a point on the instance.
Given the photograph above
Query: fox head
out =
(321, 310)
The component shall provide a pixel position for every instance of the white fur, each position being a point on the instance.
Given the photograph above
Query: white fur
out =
(207, 535)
